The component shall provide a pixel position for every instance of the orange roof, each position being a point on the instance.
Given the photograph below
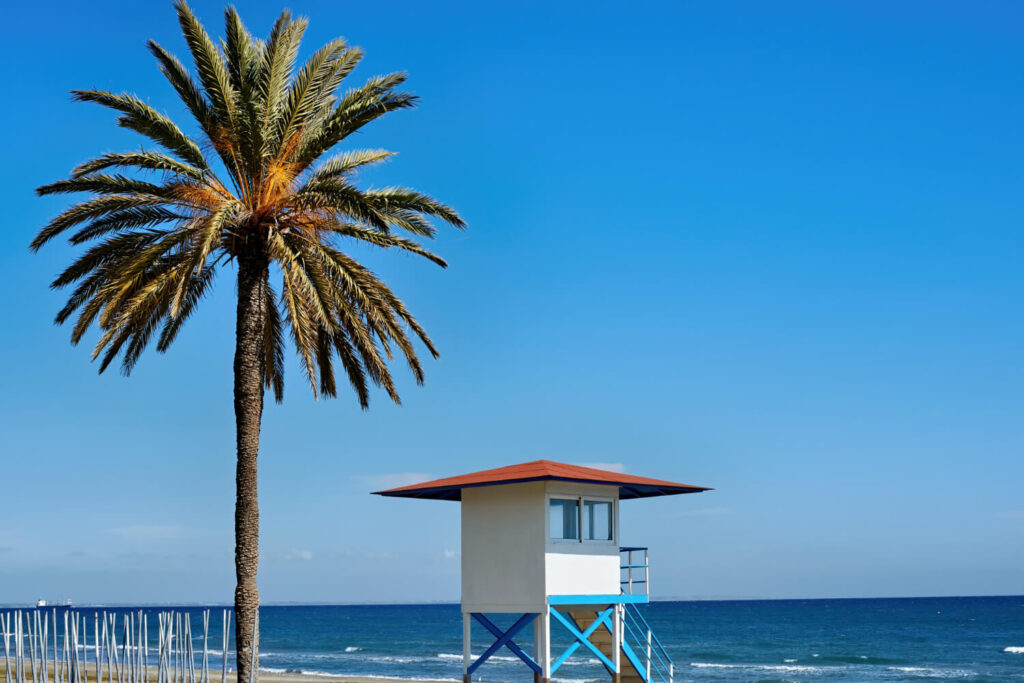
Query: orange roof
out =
(630, 486)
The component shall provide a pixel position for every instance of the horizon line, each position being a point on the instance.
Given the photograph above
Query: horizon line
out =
(22, 605)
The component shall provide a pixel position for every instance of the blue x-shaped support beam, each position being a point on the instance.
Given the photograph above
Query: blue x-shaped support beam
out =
(583, 637)
(504, 639)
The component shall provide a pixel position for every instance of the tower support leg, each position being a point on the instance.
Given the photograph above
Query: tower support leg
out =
(617, 644)
(542, 646)
(467, 646)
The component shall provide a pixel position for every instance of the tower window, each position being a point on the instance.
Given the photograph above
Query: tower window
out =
(565, 514)
(597, 520)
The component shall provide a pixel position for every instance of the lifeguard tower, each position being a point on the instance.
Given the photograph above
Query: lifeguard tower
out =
(541, 539)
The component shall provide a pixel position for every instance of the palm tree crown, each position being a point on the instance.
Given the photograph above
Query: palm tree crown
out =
(157, 245)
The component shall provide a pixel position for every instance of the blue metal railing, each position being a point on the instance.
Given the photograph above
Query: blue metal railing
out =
(653, 659)
(639, 643)
(633, 577)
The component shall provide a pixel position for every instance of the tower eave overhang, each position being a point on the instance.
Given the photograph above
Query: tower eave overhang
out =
(630, 486)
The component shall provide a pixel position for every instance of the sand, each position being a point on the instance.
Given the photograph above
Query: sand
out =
(265, 677)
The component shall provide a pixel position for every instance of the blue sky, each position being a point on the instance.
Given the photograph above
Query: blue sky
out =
(773, 248)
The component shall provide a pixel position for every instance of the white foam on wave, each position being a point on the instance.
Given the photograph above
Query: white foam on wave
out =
(394, 659)
(504, 658)
(325, 674)
(402, 678)
(492, 658)
(320, 674)
(775, 668)
(928, 672)
(1014, 649)
(352, 648)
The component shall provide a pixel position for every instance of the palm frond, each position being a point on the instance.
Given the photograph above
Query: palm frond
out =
(101, 184)
(213, 73)
(386, 241)
(241, 53)
(345, 164)
(188, 90)
(143, 119)
(89, 210)
(356, 108)
(303, 95)
(128, 219)
(273, 343)
(274, 73)
(144, 160)
(391, 198)
(196, 289)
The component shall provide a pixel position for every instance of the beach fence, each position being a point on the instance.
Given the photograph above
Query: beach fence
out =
(75, 646)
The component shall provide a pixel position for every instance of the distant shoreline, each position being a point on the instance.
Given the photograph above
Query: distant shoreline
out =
(196, 605)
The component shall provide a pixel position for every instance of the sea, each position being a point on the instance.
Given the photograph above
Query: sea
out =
(968, 639)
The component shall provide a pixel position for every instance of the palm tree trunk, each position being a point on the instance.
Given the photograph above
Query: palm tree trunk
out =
(249, 369)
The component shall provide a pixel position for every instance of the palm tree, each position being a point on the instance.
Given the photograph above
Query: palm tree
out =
(253, 188)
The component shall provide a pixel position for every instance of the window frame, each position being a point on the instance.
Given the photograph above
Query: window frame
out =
(611, 522)
(579, 519)
(580, 505)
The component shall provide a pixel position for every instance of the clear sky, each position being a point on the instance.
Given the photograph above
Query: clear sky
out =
(773, 248)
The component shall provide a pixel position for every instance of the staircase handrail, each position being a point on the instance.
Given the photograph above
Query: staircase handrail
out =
(639, 615)
(664, 661)
(640, 653)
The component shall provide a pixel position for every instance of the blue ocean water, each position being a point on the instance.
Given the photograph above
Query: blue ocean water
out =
(911, 639)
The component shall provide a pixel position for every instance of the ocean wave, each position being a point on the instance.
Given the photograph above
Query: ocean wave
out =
(504, 658)
(346, 655)
(325, 674)
(355, 654)
(772, 668)
(394, 659)
(492, 658)
(928, 672)
(407, 678)
(1014, 649)
(859, 659)
(303, 672)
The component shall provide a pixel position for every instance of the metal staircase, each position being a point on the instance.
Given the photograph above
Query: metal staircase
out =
(642, 649)
(644, 659)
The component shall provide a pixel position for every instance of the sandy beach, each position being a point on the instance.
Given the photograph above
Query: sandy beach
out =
(265, 677)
